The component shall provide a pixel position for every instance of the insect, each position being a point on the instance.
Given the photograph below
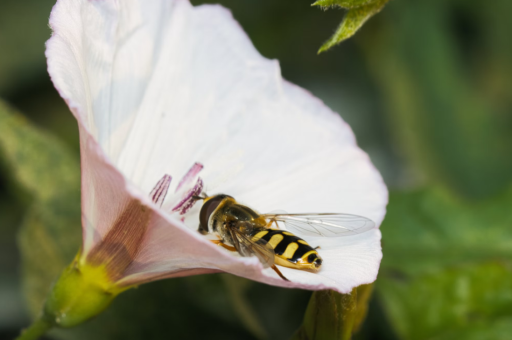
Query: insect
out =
(240, 228)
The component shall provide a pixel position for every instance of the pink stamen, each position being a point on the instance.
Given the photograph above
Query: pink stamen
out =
(188, 200)
(190, 175)
(160, 190)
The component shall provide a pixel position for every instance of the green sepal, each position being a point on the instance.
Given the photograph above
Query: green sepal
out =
(334, 316)
(81, 292)
(352, 22)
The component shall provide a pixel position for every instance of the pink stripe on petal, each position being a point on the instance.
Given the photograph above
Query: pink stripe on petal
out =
(196, 168)
(159, 192)
(188, 200)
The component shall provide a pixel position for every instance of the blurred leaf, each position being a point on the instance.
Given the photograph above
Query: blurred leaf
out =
(331, 315)
(471, 302)
(353, 20)
(447, 123)
(39, 163)
(447, 268)
(44, 169)
(436, 229)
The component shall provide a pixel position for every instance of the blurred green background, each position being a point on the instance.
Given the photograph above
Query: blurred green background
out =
(427, 87)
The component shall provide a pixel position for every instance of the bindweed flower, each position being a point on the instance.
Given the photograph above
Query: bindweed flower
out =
(173, 100)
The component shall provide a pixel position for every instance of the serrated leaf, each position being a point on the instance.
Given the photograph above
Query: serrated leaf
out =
(352, 22)
(446, 272)
(334, 316)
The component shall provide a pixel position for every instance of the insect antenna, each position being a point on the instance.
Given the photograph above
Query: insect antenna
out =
(200, 197)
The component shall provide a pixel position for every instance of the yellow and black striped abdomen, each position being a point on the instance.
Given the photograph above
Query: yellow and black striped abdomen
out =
(290, 250)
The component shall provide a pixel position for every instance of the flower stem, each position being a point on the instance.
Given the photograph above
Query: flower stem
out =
(36, 330)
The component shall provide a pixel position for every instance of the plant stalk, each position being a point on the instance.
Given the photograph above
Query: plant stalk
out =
(35, 331)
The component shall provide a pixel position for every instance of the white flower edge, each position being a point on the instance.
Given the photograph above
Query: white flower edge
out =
(78, 61)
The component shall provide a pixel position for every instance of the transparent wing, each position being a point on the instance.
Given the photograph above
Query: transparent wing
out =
(323, 225)
(247, 247)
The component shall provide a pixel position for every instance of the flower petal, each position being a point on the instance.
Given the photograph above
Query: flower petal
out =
(157, 86)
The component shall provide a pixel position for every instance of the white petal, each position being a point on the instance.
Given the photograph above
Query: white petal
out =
(161, 85)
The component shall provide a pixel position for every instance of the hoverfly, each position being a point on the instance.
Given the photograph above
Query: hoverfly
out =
(240, 228)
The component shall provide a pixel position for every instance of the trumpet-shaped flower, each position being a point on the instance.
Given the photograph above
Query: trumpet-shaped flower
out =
(172, 100)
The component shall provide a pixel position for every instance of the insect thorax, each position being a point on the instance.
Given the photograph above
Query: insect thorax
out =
(230, 214)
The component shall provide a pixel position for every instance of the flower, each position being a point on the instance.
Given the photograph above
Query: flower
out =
(162, 89)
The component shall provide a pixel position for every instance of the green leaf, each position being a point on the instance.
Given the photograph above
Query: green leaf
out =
(467, 302)
(352, 22)
(436, 229)
(39, 163)
(331, 315)
(447, 266)
(43, 169)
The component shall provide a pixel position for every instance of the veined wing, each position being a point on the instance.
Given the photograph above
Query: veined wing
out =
(247, 247)
(323, 225)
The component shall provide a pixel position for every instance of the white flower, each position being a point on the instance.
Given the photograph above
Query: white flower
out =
(159, 85)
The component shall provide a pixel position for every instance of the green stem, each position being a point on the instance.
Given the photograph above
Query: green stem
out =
(236, 288)
(36, 330)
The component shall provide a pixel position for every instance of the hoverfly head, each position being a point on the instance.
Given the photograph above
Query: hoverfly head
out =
(210, 204)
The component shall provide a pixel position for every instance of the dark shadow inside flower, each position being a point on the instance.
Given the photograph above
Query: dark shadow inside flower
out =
(122, 243)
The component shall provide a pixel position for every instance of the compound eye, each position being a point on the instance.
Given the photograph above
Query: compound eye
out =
(311, 258)
(207, 209)
(202, 229)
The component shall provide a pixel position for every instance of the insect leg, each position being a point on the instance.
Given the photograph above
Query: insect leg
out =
(269, 224)
(279, 272)
(219, 242)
